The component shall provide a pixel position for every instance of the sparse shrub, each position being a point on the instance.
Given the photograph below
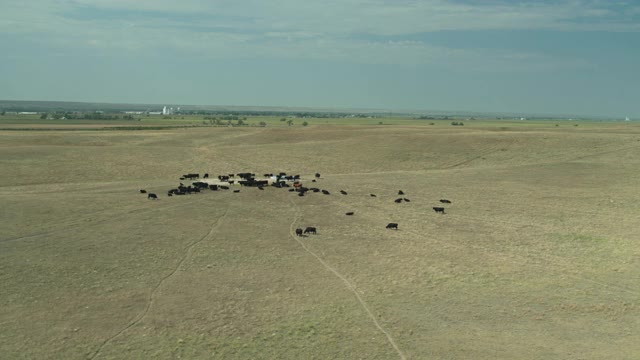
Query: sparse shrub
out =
(432, 123)
(263, 124)
(305, 123)
(380, 123)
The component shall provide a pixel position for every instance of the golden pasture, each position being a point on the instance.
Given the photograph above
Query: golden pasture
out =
(537, 257)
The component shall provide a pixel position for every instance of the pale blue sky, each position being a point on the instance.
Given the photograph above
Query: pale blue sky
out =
(558, 57)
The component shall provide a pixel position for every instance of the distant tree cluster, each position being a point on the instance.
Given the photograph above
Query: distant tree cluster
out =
(455, 123)
(225, 121)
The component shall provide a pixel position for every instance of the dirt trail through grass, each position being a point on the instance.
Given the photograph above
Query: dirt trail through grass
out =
(187, 254)
(348, 284)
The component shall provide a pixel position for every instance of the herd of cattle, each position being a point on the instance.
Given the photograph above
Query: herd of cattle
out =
(279, 180)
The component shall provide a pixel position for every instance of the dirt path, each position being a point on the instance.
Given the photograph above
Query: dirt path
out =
(187, 254)
(347, 283)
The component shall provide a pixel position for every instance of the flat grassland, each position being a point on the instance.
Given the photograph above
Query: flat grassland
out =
(538, 256)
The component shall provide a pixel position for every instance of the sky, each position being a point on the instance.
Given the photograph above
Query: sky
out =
(531, 57)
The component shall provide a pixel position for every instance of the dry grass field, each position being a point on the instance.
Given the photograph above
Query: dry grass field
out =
(537, 257)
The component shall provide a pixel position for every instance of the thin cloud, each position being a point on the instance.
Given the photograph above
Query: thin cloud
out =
(341, 30)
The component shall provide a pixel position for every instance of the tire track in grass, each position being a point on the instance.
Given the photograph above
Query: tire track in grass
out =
(187, 254)
(347, 283)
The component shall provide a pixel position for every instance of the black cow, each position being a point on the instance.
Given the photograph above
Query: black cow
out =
(301, 194)
(298, 232)
(372, 195)
(213, 187)
(169, 194)
(399, 200)
(260, 188)
(392, 226)
(292, 190)
(400, 192)
(310, 230)
(405, 199)
(445, 201)
(343, 192)
(152, 196)
(438, 209)
(142, 191)
(206, 176)
(325, 192)
(224, 187)
(317, 175)
(349, 213)
(236, 191)
(313, 180)
(200, 184)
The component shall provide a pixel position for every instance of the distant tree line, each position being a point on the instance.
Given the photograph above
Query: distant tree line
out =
(228, 121)
(432, 117)
(306, 114)
(86, 116)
